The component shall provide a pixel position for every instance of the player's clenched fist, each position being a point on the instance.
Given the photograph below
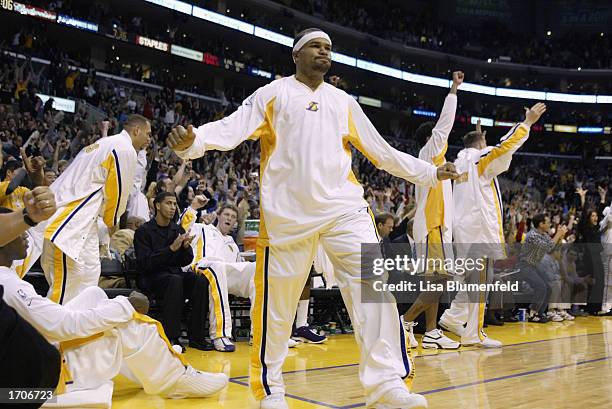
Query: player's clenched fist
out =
(40, 203)
(180, 138)
(447, 171)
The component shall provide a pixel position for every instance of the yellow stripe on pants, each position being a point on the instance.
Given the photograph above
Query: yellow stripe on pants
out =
(58, 275)
(214, 292)
(374, 221)
(410, 378)
(160, 329)
(481, 300)
(258, 351)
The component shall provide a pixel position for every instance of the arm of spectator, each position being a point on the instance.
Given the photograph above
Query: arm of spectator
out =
(104, 128)
(179, 179)
(365, 138)
(34, 167)
(582, 194)
(119, 180)
(227, 133)
(497, 160)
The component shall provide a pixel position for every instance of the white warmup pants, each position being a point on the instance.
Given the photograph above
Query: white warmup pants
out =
(137, 349)
(281, 273)
(66, 277)
(607, 264)
(466, 309)
(224, 279)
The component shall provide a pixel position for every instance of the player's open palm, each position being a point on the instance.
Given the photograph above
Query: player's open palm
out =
(180, 138)
(534, 113)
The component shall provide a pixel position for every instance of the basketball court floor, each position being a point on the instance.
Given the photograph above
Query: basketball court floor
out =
(542, 366)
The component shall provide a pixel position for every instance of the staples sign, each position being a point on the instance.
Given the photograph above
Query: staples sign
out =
(149, 42)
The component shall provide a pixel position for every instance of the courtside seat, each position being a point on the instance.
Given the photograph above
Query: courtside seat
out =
(328, 306)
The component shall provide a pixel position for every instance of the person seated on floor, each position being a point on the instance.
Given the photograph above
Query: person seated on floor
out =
(162, 250)
(100, 338)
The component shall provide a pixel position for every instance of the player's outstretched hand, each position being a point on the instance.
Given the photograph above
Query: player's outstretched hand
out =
(40, 203)
(534, 113)
(447, 171)
(180, 138)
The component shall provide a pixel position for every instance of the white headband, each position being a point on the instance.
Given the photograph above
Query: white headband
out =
(310, 36)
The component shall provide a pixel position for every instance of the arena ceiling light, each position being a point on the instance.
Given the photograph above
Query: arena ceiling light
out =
(520, 93)
(565, 128)
(425, 79)
(379, 69)
(423, 112)
(478, 89)
(225, 21)
(590, 129)
(173, 5)
(555, 96)
(273, 36)
(373, 102)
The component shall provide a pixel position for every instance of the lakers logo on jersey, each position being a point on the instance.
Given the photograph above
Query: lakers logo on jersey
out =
(91, 148)
(312, 106)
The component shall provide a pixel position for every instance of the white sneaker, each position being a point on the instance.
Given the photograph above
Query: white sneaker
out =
(197, 384)
(457, 329)
(224, 345)
(408, 325)
(485, 343)
(554, 316)
(274, 401)
(291, 343)
(566, 315)
(435, 339)
(400, 398)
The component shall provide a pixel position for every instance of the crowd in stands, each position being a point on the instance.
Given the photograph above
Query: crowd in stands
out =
(419, 27)
(174, 30)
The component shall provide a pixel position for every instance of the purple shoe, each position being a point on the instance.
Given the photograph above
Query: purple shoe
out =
(308, 335)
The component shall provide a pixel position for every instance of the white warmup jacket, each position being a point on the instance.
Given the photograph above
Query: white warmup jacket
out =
(306, 183)
(478, 209)
(97, 182)
(138, 206)
(435, 204)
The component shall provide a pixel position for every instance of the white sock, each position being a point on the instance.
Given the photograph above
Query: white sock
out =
(301, 318)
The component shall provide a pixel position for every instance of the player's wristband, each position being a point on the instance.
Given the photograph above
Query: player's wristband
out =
(27, 219)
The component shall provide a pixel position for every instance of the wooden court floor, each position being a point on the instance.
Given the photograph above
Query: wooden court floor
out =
(542, 366)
